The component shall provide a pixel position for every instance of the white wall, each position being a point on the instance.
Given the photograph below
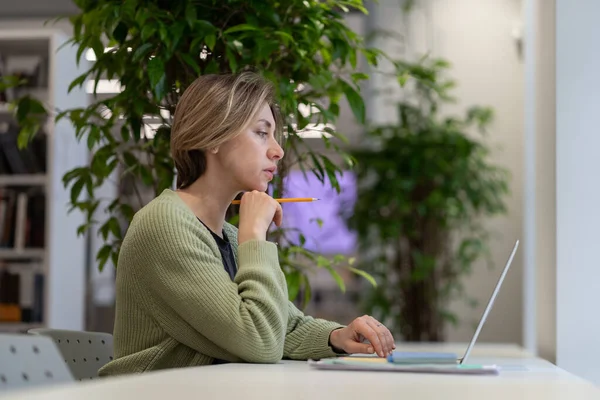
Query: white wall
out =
(477, 38)
(539, 312)
(577, 187)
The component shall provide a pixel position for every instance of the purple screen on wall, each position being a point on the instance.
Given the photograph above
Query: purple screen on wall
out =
(333, 236)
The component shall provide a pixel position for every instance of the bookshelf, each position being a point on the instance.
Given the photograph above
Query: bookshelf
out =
(42, 261)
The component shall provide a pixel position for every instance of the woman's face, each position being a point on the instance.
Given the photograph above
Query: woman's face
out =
(251, 157)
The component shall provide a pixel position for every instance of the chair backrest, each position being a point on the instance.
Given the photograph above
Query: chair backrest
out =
(84, 352)
(28, 361)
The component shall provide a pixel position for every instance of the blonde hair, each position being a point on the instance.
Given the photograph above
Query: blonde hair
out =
(213, 110)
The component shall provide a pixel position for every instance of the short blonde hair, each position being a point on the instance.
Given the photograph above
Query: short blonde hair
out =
(213, 110)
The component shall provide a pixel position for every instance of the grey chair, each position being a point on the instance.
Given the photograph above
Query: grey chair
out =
(84, 352)
(28, 361)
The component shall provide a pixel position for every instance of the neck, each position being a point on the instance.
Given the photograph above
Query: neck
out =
(209, 200)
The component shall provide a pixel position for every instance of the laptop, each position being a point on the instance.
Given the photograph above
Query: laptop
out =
(423, 361)
(411, 357)
(489, 305)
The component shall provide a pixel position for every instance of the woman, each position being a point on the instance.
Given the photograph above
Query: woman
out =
(192, 289)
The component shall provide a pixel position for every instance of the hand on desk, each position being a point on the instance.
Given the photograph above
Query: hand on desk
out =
(351, 339)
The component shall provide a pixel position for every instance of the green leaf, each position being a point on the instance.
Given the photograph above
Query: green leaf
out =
(83, 229)
(141, 51)
(287, 38)
(210, 41)
(97, 45)
(114, 227)
(331, 169)
(355, 101)
(28, 131)
(189, 60)
(102, 256)
(352, 56)
(156, 74)
(93, 137)
(148, 31)
(233, 65)
(338, 279)
(322, 262)
(130, 159)
(371, 56)
(190, 14)
(212, 67)
(163, 33)
(365, 275)
(77, 82)
(359, 76)
(403, 78)
(76, 189)
(10, 81)
(147, 177)
(293, 284)
(120, 32)
(74, 173)
(126, 211)
(125, 133)
(204, 27)
(241, 28)
(114, 256)
(317, 169)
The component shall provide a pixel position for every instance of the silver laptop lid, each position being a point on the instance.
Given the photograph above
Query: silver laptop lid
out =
(490, 303)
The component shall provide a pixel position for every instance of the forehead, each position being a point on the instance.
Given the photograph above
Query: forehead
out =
(266, 116)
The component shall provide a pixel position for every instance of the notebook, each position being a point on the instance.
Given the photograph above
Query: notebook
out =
(413, 357)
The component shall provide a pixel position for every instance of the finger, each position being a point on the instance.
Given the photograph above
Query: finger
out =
(382, 333)
(385, 336)
(356, 347)
(278, 217)
(367, 331)
(382, 330)
(390, 338)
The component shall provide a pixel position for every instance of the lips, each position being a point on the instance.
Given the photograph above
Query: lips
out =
(270, 172)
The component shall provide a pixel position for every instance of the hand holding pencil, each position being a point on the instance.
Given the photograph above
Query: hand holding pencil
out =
(257, 211)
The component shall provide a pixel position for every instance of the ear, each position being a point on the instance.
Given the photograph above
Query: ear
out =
(215, 150)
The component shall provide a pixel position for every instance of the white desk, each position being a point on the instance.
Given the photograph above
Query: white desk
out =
(296, 380)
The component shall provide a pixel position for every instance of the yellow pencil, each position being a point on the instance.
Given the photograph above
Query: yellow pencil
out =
(289, 200)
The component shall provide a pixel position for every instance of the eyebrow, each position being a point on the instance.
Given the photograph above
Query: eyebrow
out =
(266, 122)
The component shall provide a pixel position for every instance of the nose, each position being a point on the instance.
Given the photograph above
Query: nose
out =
(275, 151)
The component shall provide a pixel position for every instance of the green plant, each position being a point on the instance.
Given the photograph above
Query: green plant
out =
(425, 186)
(157, 48)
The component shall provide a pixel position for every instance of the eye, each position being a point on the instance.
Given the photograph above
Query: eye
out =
(262, 134)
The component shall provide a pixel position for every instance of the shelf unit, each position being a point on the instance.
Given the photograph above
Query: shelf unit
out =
(59, 267)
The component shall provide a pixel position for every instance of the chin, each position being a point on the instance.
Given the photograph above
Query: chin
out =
(259, 186)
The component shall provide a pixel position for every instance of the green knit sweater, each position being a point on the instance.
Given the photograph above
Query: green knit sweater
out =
(176, 306)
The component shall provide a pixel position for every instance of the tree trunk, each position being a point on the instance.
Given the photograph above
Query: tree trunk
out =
(419, 316)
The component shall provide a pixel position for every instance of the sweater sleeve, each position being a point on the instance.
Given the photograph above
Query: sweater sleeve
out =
(307, 337)
(193, 299)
